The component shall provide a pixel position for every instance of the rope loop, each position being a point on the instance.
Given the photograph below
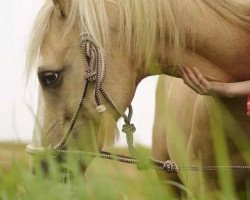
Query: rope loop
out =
(90, 75)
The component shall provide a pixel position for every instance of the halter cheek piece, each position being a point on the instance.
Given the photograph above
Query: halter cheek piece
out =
(95, 62)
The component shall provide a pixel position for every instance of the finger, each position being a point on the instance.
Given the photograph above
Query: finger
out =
(206, 85)
(203, 83)
(201, 78)
(192, 77)
(187, 79)
(189, 82)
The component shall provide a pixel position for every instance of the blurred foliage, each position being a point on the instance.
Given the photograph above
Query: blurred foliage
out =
(103, 180)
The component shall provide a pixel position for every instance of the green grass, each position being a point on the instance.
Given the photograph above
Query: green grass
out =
(104, 180)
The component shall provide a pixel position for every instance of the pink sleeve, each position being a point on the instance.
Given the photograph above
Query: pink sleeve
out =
(248, 106)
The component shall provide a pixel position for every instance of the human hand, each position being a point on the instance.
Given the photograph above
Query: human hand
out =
(196, 81)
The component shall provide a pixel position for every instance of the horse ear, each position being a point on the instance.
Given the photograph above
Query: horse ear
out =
(61, 5)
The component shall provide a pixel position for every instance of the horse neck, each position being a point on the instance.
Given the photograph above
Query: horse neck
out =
(204, 47)
(181, 34)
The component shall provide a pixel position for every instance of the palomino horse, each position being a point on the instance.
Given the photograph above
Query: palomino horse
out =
(140, 38)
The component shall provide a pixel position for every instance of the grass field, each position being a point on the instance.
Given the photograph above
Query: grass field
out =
(104, 180)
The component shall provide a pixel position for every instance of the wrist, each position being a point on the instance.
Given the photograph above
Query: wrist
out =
(222, 89)
(229, 90)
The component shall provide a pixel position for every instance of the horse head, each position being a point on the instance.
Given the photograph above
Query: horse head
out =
(82, 91)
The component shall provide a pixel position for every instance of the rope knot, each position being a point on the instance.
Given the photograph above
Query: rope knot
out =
(85, 36)
(101, 109)
(170, 167)
(90, 75)
(128, 128)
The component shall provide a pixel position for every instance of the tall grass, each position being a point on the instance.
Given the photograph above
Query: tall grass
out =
(103, 180)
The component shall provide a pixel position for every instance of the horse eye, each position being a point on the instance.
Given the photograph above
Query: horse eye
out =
(48, 79)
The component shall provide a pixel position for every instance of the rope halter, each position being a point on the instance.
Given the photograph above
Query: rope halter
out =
(95, 62)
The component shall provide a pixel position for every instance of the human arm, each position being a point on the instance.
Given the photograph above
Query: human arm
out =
(195, 80)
